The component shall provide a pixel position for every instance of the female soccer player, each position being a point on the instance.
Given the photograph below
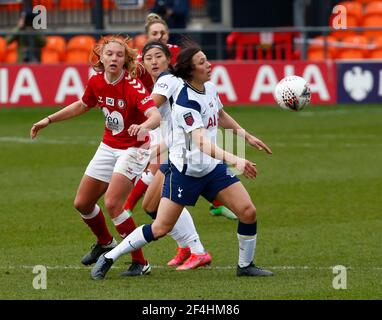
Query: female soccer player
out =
(197, 167)
(123, 153)
(156, 29)
(190, 252)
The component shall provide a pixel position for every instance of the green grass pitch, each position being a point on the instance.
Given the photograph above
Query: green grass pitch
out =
(318, 199)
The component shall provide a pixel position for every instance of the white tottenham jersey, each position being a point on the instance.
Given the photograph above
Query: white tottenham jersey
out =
(166, 85)
(193, 109)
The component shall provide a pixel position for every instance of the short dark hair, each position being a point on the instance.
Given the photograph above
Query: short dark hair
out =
(183, 67)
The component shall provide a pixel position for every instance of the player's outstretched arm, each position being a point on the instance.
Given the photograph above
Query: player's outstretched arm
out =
(227, 122)
(205, 145)
(153, 121)
(75, 109)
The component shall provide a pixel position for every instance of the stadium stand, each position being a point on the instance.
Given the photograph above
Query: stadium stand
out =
(11, 53)
(3, 48)
(317, 48)
(373, 18)
(79, 49)
(376, 53)
(354, 47)
(262, 46)
(54, 50)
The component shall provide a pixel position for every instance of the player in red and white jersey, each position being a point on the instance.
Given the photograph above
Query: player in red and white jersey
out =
(123, 153)
(156, 29)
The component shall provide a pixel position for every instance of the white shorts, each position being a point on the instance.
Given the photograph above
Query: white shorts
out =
(130, 162)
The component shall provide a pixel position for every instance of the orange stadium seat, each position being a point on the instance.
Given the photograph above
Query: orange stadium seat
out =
(354, 12)
(316, 50)
(11, 53)
(79, 49)
(3, 49)
(109, 4)
(373, 18)
(353, 48)
(75, 4)
(198, 3)
(377, 52)
(364, 1)
(49, 4)
(139, 41)
(54, 49)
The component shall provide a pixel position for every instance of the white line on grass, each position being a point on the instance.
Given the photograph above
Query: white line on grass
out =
(64, 140)
(78, 267)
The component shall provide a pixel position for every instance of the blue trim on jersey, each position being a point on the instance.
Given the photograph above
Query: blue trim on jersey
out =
(163, 73)
(183, 100)
(171, 101)
(247, 229)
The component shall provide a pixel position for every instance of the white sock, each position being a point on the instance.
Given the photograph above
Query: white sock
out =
(247, 248)
(132, 242)
(184, 232)
(147, 177)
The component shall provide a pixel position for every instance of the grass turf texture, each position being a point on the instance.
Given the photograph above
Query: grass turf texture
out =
(318, 199)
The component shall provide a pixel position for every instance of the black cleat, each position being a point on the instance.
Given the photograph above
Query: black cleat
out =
(252, 271)
(137, 269)
(96, 251)
(101, 267)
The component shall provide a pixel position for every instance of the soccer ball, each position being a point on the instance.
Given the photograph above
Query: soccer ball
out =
(292, 93)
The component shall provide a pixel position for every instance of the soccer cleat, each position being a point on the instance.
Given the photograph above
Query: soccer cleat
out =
(222, 211)
(101, 267)
(96, 251)
(252, 271)
(182, 254)
(137, 269)
(195, 261)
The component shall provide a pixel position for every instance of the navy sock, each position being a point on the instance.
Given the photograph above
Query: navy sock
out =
(247, 229)
(148, 233)
(153, 215)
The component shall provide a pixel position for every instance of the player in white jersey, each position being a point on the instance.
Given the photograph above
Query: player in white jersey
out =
(190, 252)
(198, 168)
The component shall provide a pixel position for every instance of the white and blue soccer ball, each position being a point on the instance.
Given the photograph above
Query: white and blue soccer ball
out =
(292, 93)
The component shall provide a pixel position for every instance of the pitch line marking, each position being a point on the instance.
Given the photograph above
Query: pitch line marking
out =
(77, 267)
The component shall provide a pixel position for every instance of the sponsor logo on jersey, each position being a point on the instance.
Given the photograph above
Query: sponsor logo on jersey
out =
(189, 119)
(148, 98)
(162, 85)
(121, 103)
(110, 101)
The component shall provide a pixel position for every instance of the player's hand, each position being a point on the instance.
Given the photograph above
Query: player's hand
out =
(137, 130)
(246, 167)
(258, 144)
(38, 126)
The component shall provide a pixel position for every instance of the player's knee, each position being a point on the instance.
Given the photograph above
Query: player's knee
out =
(249, 214)
(82, 206)
(113, 206)
(160, 230)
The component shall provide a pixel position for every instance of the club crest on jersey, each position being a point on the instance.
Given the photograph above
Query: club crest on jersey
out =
(121, 103)
(110, 102)
(189, 119)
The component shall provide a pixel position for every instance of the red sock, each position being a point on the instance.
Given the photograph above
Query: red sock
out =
(98, 226)
(135, 194)
(216, 203)
(124, 229)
